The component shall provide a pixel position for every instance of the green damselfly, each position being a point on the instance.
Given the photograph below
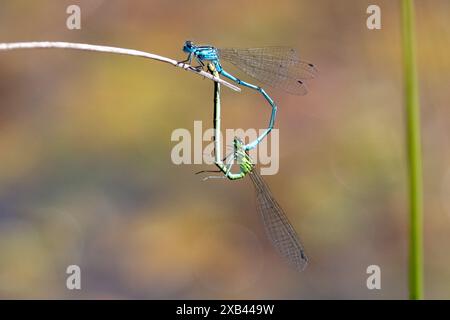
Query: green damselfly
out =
(277, 226)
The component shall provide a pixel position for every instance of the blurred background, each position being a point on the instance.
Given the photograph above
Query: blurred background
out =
(86, 176)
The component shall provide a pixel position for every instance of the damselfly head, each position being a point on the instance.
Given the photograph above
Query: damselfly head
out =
(238, 143)
(188, 46)
(240, 154)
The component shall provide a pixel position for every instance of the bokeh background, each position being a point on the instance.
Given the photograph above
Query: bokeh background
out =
(86, 176)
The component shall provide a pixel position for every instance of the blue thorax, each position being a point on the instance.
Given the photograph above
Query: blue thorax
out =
(203, 53)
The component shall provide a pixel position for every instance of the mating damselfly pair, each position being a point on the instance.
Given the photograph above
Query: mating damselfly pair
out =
(278, 67)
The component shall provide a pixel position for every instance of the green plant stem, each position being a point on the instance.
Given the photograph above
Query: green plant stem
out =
(413, 153)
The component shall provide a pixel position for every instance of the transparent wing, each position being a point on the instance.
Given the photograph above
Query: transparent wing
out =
(278, 228)
(278, 67)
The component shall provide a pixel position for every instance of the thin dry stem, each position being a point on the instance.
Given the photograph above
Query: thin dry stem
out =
(107, 49)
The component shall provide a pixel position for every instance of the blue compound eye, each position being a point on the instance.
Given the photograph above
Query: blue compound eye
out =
(188, 46)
